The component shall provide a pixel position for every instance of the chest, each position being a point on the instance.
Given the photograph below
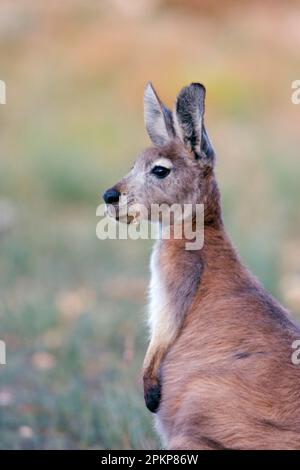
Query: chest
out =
(159, 298)
(175, 278)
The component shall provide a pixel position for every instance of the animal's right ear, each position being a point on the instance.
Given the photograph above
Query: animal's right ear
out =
(189, 122)
(158, 118)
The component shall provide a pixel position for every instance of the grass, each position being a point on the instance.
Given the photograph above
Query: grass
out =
(74, 352)
(72, 308)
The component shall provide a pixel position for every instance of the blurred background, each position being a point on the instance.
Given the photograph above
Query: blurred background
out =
(72, 307)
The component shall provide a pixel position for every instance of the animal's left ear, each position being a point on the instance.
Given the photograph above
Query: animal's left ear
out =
(189, 122)
(158, 118)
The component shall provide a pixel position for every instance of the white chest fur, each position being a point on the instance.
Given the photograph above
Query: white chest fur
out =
(170, 298)
(158, 298)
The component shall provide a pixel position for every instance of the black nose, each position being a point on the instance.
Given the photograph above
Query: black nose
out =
(111, 195)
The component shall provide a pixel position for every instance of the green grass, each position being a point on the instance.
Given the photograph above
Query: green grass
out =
(91, 396)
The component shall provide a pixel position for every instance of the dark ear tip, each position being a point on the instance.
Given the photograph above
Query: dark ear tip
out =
(148, 85)
(195, 89)
(200, 86)
(150, 91)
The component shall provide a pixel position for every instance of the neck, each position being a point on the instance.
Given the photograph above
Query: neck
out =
(212, 204)
(212, 222)
(217, 253)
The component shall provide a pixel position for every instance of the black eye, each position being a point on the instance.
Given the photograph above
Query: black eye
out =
(160, 171)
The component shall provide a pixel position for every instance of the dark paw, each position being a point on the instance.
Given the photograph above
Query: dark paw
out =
(152, 395)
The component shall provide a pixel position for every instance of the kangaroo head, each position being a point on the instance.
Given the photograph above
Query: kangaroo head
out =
(175, 170)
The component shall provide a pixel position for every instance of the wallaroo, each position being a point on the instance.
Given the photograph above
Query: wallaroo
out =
(218, 371)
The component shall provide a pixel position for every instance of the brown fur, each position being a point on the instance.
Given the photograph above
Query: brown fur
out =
(218, 367)
(228, 377)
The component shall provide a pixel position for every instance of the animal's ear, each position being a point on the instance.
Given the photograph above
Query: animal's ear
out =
(189, 122)
(158, 118)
